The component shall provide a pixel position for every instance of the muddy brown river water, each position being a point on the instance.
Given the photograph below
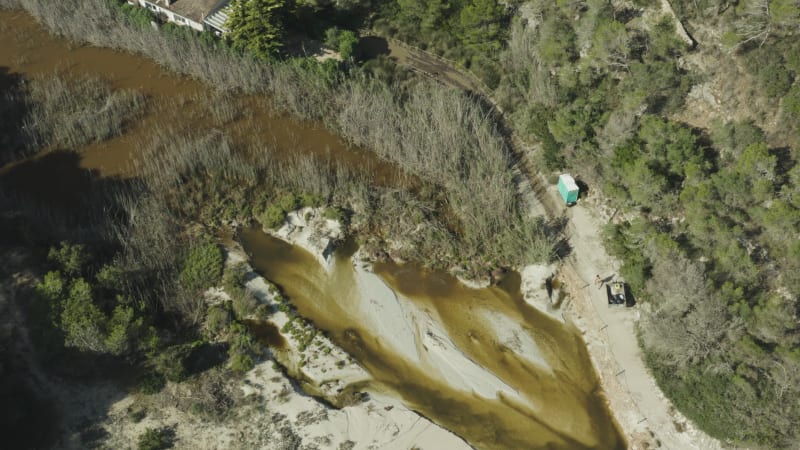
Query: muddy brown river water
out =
(570, 410)
(174, 103)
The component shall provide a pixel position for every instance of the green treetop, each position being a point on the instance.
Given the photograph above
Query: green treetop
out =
(256, 26)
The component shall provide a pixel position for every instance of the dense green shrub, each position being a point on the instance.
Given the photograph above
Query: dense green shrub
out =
(241, 363)
(91, 317)
(556, 43)
(769, 66)
(243, 302)
(343, 41)
(273, 217)
(137, 16)
(733, 137)
(334, 213)
(242, 350)
(307, 200)
(288, 202)
(156, 439)
(170, 362)
(257, 26)
(245, 305)
(151, 383)
(727, 406)
(791, 103)
(202, 267)
(70, 258)
(217, 320)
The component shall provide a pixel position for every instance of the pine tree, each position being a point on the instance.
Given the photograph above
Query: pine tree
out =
(256, 26)
(481, 24)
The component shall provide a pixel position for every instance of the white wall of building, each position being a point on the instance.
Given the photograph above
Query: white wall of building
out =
(171, 17)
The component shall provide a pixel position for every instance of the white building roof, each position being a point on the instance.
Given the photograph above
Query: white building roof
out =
(218, 18)
(568, 182)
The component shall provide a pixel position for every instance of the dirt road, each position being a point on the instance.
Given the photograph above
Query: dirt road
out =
(646, 416)
(421, 62)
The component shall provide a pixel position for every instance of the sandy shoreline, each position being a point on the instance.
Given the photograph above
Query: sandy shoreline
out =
(415, 333)
(418, 336)
(645, 416)
(382, 421)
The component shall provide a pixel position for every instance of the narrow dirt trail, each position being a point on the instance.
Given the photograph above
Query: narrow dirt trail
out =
(646, 417)
(423, 62)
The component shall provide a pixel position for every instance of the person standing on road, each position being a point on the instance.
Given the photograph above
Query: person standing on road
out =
(598, 282)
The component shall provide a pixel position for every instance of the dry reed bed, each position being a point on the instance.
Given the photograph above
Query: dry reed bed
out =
(58, 111)
(427, 129)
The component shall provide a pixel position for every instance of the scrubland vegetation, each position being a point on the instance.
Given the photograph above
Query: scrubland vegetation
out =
(711, 240)
(710, 243)
(469, 32)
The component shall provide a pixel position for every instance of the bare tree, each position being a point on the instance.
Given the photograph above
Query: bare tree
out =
(756, 23)
(688, 322)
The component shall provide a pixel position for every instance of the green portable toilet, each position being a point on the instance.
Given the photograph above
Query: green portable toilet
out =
(568, 189)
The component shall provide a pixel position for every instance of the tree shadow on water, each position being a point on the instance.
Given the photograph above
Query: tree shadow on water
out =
(371, 47)
(50, 197)
(13, 110)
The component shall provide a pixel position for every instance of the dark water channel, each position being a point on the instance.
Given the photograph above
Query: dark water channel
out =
(570, 412)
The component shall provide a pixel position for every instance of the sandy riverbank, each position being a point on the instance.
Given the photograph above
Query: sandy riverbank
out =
(271, 413)
(408, 330)
(381, 421)
(486, 356)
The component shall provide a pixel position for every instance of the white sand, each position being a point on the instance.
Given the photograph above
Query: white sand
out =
(273, 415)
(309, 229)
(511, 335)
(535, 294)
(417, 336)
(381, 422)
